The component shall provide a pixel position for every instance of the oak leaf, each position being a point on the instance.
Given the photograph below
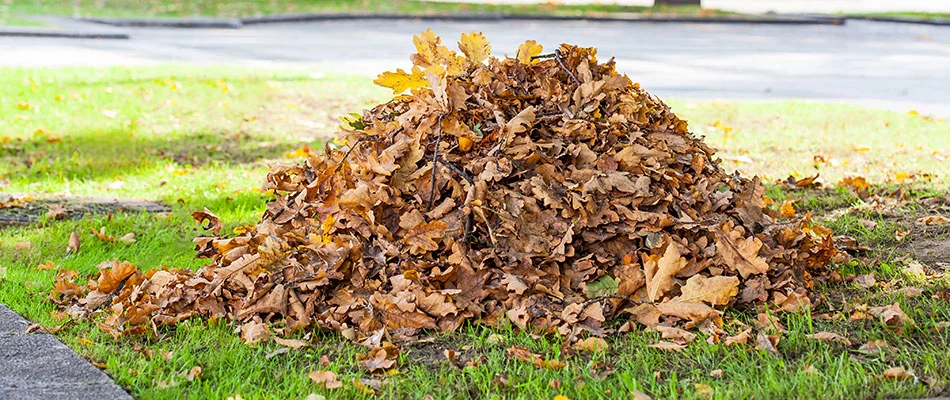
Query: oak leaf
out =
(717, 290)
(659, 272)
(326, 379)
(475, 47)
(527, 50)
(742, 254)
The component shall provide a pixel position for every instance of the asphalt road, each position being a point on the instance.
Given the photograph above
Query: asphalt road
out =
(886, 65)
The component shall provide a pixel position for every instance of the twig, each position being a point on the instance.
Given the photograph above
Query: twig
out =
(114, 292)
(540, 56)
(435, 165)
(491, 232)
(560, 61)
(353, 147)
(458, 171)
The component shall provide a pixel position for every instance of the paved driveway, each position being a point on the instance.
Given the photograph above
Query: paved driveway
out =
(897, 66)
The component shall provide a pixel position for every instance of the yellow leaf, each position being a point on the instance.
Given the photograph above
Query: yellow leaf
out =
(787, 210)
(23, 105)
(427, 44)
(465, 144)
(475, 47)
(527, 50)
(716, 290)
(400, 81)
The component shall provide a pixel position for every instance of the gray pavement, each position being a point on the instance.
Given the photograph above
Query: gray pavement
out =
(38, 366)
(887, 65)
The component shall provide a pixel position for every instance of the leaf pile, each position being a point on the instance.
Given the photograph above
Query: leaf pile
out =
(546, 189)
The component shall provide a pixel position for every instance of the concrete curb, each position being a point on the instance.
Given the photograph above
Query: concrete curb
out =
(55, 33)
(208, 23)
(905, 20)
(38, 366)
(786, 20)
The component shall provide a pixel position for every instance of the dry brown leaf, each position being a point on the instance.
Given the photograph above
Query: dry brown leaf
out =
(74, 244)
(865, 281)
(668, 346)
(891, 315)
(767, 343)
(874, 347)
(659, 273)
(741, 254)
(717, 290)
(591, 344)
(254, 332)
(378, 359)
(676, 335)
(523, 354)
(291, 343)
(325, 379)
(214, 223)
(830, 337)
(741, 338)
(898, 374)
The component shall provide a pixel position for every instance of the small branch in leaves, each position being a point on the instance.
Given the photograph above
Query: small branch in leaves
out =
(435, 165)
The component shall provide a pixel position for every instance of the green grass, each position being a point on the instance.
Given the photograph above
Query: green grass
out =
(6, 20)
(778, 139)
(180, 8)
(905, 14)
(196, 137)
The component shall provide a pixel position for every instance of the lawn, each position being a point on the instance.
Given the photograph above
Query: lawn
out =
(905, 14)
(250, 8)
(203, 137)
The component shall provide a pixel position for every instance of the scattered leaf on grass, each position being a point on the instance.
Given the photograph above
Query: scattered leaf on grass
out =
(667, 346)
(874, 347)
(767, 342)
(638, 395)
(254, 332)
(523, 354)
(73, 243)
(830, 337)
(378, 359)
(325, 379)
(291, 343)
(898, 374)
(742, 338)
(865, 281)
(591, 344)
(892, 315)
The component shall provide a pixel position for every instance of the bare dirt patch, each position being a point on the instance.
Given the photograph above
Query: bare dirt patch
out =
(28, 209)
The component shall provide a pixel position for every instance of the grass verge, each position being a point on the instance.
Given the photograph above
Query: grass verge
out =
(218, 8)
(195, 138)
